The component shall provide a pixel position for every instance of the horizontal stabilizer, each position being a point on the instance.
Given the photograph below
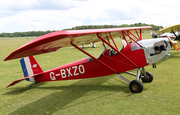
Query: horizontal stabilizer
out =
(19, 80)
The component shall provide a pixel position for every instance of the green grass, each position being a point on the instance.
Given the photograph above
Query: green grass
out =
(96, 96)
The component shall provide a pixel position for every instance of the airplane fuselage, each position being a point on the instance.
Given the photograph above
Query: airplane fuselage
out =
(153, 50)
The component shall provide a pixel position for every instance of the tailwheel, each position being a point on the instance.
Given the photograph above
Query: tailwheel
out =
(148, 78)
(31, 85)
(136, 86)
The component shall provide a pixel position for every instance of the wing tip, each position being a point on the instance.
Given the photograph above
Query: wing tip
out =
(10, 57)
(6, 59)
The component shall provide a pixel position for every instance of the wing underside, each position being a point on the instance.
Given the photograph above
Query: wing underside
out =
(55, 40)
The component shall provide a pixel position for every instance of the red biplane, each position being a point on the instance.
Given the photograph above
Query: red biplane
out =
(135, 54)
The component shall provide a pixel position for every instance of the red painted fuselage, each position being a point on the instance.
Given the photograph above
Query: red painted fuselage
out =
(89, 68)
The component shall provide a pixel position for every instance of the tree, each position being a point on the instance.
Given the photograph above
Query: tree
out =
(40, 33)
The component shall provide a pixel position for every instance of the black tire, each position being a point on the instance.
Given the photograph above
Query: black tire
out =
(148, 78)
(136, 86)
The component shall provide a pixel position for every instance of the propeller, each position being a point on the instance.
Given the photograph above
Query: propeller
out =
(173, 44)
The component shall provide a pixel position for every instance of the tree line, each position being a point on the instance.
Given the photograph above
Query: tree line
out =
(154, 27)
(40, 33)
(25, 34)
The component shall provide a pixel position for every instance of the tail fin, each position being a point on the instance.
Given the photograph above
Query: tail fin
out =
(30, 67)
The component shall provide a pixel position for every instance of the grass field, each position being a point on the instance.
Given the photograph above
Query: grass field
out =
(107, 95)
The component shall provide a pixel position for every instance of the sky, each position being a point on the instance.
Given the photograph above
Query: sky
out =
(43, 15)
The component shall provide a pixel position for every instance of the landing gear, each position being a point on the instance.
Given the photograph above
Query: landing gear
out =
(136, 86)
(31, 85)
(148, 78)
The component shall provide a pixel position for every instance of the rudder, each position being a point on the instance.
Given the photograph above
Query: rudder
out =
(30, 67)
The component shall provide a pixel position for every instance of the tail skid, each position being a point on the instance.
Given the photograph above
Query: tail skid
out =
(30, 69)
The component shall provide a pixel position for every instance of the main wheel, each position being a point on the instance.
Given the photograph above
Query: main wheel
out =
(148, 78)
(136, 86)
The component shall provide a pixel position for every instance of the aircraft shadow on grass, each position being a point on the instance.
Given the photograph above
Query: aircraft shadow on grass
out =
(19, 90)
(67, 94)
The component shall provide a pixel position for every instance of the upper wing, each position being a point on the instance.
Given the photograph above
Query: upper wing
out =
(169, 29)
(55, 40)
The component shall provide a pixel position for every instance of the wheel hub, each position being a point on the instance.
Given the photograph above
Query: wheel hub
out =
(135, 87)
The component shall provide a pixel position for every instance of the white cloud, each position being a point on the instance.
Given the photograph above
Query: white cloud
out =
(35, 15)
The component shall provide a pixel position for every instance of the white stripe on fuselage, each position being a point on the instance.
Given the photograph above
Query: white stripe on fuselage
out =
(29, 69)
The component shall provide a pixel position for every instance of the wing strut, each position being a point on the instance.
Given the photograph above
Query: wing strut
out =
(113, 41)
(134, 36)
(117, 51)
(93, 57)
(131, 38)
(140, 34)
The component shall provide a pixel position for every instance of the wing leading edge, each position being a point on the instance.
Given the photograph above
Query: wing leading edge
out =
(169, 29)
(55, 40)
